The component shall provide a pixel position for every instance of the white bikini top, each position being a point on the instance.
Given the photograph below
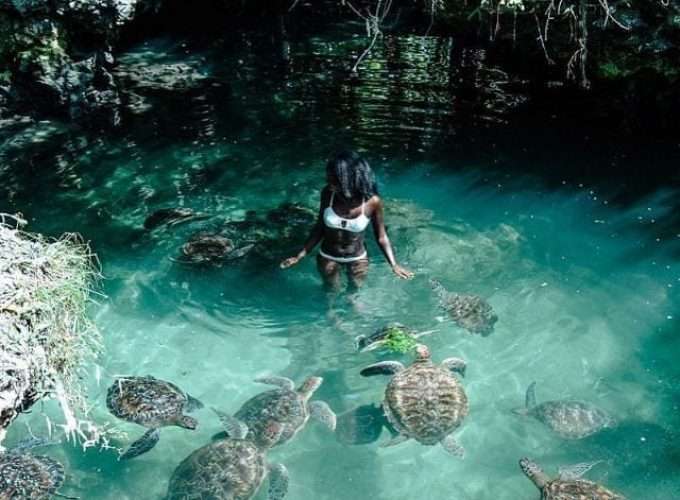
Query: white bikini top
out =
(334, 221)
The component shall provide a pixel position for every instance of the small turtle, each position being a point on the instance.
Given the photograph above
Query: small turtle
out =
(24, 476)
(211, 248)
(230, 469)
(286, 405)
(152, 403)
(570, 419)
(425, 401)
(171, 217)
(395, 337)
(569, 485)
(470, 312)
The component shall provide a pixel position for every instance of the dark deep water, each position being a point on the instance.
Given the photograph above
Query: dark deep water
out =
(570, 231)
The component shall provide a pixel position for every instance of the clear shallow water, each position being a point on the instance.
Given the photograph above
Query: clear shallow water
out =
(587, 299)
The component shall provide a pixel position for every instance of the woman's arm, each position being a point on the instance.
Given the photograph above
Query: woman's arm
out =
(380, 233)
(315, 236)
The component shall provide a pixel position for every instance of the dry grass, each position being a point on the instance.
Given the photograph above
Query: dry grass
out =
(46, 338)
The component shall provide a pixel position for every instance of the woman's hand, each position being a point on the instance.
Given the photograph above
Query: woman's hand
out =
(290, 262)
(402, 272)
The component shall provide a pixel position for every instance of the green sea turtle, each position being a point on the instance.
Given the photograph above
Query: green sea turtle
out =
(25, 476)
(569, 485)
(470, 312)
(570, 419)
(395, 337)
(206, 247)
(171, 217)
(152, 403)
(425, 401)
(230, 469)
(285, 405)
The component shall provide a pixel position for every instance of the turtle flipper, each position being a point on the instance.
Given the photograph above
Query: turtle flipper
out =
(142, 445)
(450, 444)
(320, 411)
(192, 404)
(382, 368)
(233, 427)
(278, 481)
(455, 365)
(361, 425)
(530, 398)
(282, 382)
(398, 439)
(240, 252)
(576, 471)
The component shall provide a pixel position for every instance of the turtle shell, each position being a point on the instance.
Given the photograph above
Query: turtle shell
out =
(283, 406)
(425, 402)
(228, 469)
(471, 312)
(572, 419)
(207, 247)
(577, 489)
(24, 476)
(146, 401)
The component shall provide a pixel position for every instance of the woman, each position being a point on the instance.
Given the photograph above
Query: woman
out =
(349, 202)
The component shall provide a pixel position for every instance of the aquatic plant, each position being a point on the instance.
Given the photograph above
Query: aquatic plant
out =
(46, 337)
(397, 339)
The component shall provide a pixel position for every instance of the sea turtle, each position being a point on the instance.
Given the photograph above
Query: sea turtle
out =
(395, 337)
(286, 405)
(470, 312)
(569, 485)
(152, 403)
(570, 419)
(425, 401)
(206, 247)
(24, 476)
(171, 217)
(232, 468)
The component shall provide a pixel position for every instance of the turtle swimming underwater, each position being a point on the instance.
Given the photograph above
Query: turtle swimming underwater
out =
(24, 476)
(285, 405)
(171, 217)
(394, 337)
(470, 312)
(570, 419)
(230, 469)
(152, 403)
(569, 486)
(425, 401)
(211, 248)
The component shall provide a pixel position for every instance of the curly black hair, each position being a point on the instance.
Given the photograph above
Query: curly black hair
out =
(354, 174)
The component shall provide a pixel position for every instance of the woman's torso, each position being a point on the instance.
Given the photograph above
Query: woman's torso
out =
(345, 223)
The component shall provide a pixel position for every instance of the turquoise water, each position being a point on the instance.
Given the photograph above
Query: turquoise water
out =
(585, 289)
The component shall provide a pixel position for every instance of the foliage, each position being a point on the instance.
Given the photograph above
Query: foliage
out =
(46, 337)
(398, 339)
(561, 19)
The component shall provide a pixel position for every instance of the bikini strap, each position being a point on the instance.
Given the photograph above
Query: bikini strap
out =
(332, 197)
(362, 205)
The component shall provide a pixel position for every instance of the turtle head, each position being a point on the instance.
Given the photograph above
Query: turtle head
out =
(187, 422)
(533, 471)
(422, 352)
(271, 434)
(361, 343)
